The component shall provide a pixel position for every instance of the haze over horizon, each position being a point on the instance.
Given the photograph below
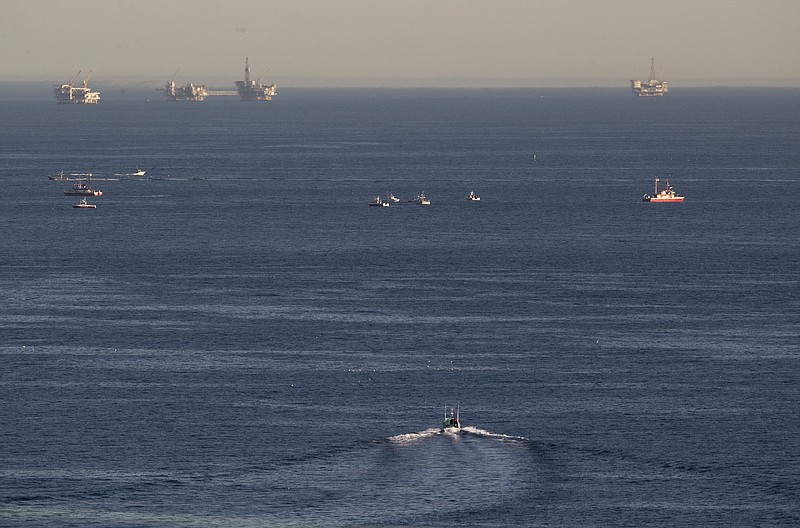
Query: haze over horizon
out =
(382, 43)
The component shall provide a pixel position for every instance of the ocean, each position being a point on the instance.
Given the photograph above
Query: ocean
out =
(238, 340)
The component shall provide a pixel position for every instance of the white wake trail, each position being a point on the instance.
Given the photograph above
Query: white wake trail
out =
(407, 438)
(489, 434)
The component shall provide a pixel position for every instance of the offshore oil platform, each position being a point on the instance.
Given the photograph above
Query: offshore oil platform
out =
(253, 90)
(186, 92)
(652, 87)
(70, 94)
(247, 90)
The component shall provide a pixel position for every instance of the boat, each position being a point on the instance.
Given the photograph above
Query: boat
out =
(84, 205)
(59, 176)
(138, 172)
(665, 195)
(392, 198)
(378, 202)
(452, 421)
(73, 176)
(68, 93)
(652, 87)
(82, 189)
(472, 197)
(421, 199)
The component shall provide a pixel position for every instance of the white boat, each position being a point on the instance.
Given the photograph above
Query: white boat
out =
(139, 172)
(665, 195)
(472, 197)
(452, 421)
(421, 199)
(84, 205)
(392, 198)
(378, 202)
(72, 176)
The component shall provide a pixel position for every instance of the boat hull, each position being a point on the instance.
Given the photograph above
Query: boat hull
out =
(83, 193)
(677, 199)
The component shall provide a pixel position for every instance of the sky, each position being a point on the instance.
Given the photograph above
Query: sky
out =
(403, 43)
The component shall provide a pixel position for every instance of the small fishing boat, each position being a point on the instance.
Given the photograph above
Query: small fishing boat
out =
(60, 176)
(139, 172)
(452, 422)
(84, 205)
(472, 197)
(665, 195)
(421, 199)
(378, 202)
(82, 189)
(392, 198)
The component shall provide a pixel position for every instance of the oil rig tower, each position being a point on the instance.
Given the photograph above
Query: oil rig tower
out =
(250, 90)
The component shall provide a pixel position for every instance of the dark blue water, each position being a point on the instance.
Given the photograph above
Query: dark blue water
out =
(238, 340)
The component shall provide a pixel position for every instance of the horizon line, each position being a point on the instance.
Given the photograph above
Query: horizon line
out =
(302, 82)
(157, 85)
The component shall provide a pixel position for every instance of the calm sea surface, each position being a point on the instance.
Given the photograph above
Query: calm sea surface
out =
(238, 340)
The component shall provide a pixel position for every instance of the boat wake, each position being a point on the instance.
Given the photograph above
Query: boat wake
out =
(408, 438)
(489, 434)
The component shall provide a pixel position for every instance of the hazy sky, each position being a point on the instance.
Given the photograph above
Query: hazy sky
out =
(404, 42)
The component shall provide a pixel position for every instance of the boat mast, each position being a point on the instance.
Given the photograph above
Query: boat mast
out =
(655, 190)
(652, 68)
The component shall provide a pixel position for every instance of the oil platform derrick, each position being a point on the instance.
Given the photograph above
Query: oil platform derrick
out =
(250, 90)
(653, 87)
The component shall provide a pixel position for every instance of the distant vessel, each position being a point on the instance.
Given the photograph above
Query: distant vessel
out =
(84, 205)
(392, 198)
(137, 172)
(253, 90)
(72, 176)
(665, 195)
(652, 87)
(378, 202)
(452, 421)
(472, 197)
(82, 189)
(69, 94)
(187, 92)
(421, 199)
